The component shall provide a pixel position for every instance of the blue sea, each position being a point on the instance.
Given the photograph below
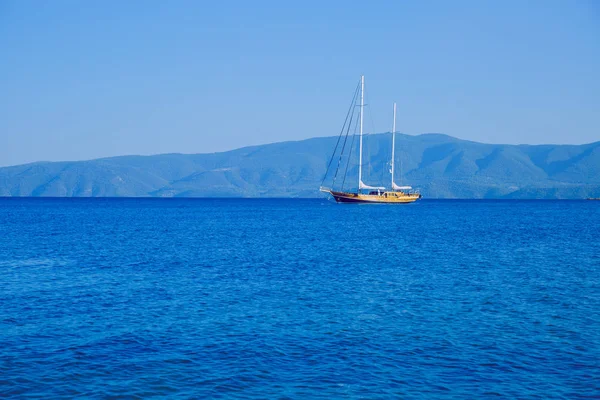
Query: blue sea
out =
(299, 299)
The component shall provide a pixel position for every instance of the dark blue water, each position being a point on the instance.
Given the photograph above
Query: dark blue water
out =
(299, 299)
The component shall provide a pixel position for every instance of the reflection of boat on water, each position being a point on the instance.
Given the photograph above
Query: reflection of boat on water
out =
(364, 193)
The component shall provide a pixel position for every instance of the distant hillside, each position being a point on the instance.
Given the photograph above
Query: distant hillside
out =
(441, 166)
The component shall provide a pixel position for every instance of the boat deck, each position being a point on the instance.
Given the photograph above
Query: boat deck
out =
(382, 197)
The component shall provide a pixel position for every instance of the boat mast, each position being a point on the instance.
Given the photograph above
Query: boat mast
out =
(393, 144)
(362, 105)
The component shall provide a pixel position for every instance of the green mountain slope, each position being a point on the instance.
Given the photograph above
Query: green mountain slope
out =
(440, 166)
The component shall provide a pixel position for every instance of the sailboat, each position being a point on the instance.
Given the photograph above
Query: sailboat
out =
(397, 194)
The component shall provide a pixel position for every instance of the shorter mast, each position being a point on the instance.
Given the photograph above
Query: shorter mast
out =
(394, 186)
(362, 106)
(393, 144)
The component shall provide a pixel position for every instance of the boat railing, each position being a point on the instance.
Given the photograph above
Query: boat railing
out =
(410, 192)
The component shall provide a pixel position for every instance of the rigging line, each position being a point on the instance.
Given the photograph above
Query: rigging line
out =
(400, 137)
(374, 136)
(342, 151)
(368, 102)
(348, 162)
(341, 132)
(344, 145)
(400, 153)
(349, 157)
(368, 143)
(350, 152)
(387, 155)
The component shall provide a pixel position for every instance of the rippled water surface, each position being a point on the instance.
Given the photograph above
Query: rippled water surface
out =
(299, 299)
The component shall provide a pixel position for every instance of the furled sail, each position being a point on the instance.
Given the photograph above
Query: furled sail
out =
(362, 185)
(396, 187)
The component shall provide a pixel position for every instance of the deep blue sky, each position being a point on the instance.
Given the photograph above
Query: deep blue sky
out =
(81, 79)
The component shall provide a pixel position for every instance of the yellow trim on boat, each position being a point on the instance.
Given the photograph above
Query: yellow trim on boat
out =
(382, 197)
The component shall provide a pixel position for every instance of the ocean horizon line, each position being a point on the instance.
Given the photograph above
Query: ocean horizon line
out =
(269, 198)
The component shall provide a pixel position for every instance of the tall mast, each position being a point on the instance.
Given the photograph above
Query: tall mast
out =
(393, 144)
(362, 105)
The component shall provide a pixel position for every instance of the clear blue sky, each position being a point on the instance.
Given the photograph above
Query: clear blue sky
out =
(86, 79)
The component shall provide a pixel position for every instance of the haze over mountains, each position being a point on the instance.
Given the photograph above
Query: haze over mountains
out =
(440, 166)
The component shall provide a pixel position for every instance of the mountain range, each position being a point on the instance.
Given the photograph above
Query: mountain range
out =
(440, 166)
